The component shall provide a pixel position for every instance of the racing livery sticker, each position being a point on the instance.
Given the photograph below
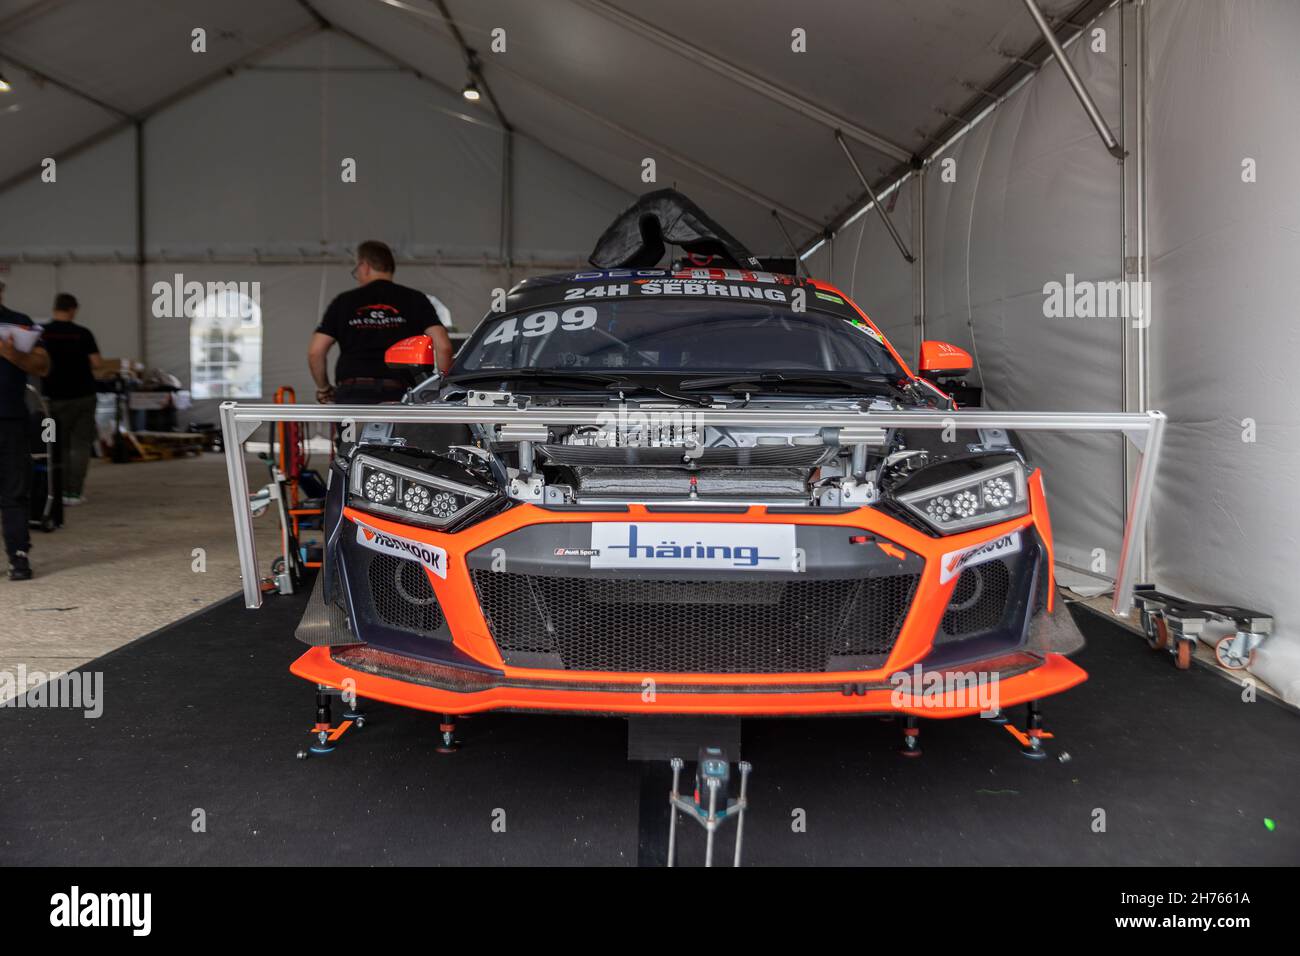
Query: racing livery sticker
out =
(433, 558)
(684, 287)
(672, 546)
(955, 562)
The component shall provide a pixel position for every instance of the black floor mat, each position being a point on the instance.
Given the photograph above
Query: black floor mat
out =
(204, 716)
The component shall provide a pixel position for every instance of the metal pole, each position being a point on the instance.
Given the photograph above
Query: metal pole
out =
(1076, 84)
(142, 283)
(672, 809)
(712, 827)
(237, 472)
(918, 266)
(1139, 508)
(871, 194)
(1134, 338)
(754, 82)
(745, 768)
(798, 263)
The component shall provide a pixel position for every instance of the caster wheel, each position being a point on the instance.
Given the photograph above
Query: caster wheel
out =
(302, 755)
(1161, 639)
(1183, 656)
(359, 722)
(1224, 655)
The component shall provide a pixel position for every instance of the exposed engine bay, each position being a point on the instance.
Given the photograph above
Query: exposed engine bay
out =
(657, 452)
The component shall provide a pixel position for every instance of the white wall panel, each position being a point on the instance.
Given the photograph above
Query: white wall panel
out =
(1224, 80)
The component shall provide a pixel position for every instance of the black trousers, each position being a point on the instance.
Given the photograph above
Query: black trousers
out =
(351, 391)
(15, 484)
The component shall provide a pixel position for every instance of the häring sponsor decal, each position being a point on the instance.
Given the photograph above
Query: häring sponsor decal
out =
(955, 562)
(432, 557)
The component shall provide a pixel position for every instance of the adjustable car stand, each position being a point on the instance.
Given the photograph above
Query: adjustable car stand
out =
(1032, 737)
(447, 735)
(325, 733)
(712, 777)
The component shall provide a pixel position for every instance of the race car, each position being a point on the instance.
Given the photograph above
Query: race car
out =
(675, 531)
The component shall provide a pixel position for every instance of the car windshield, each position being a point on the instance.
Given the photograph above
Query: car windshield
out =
(684, 337)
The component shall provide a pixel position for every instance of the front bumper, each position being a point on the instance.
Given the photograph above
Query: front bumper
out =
(462, 660)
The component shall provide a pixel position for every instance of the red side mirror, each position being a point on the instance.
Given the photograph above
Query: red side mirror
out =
(414, 354)
(940, 359)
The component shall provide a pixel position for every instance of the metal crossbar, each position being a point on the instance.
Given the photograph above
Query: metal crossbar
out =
(1144, 429)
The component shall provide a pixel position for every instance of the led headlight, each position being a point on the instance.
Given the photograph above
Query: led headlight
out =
(980, 497)
(411, 494)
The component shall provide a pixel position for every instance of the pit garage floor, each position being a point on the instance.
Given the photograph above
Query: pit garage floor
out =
(123, 564)
(204, 716)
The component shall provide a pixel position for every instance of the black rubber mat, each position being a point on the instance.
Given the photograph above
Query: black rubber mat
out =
(204, 716)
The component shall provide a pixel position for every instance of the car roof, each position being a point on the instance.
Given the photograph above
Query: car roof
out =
(667, 284)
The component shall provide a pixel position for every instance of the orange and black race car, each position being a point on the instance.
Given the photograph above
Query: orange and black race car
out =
(650, 562)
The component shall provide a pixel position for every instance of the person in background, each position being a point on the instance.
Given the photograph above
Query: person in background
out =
(364, 322)
(15, 452)
(70, 388)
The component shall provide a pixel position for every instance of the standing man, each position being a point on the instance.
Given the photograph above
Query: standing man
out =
(364, 322)
(70, 388)
(15, 453)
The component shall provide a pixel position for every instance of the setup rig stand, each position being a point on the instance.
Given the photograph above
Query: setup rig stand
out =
(712, 778)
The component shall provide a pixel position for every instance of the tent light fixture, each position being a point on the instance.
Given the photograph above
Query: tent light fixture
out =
(5, 85)
(471, 91)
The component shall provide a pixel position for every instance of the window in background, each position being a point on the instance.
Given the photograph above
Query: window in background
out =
(226, 347)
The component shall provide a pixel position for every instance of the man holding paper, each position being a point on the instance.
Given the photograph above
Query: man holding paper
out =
(20, 356)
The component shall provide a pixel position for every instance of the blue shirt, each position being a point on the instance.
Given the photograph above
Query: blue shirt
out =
(13, 380)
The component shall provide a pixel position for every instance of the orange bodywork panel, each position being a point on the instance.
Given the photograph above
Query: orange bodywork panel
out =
(471, 635)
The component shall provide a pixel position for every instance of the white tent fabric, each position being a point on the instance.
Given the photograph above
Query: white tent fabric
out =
(1225, 267)
(1035, 196)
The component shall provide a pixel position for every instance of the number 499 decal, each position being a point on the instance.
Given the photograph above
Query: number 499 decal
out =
(542, 323)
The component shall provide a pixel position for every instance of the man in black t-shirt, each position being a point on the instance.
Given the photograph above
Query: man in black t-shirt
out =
(15, 453)
(70, 389)
(364, 322)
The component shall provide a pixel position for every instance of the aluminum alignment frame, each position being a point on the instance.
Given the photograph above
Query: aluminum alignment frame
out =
(1144, 429)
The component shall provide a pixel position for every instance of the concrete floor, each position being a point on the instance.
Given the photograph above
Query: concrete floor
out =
(122, 565)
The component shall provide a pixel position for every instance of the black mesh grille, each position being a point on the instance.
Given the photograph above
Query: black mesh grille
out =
(979, 600)
(710, 627)
(400, 594)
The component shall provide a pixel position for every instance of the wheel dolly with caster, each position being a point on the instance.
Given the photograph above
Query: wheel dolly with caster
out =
(1165, 616)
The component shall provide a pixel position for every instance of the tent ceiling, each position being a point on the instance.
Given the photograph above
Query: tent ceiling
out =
(596, 80)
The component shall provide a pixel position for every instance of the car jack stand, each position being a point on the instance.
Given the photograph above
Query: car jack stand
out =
(911, 735)
(352, 711)
(712, 776)
(323, 730)
(447, 735)
(1031, 739)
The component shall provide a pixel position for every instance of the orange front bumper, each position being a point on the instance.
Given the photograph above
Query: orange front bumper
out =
(1056, 674)
(856, 692)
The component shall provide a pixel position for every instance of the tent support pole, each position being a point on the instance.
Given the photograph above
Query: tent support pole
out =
(1134, 332)
(1072, 77)
(871, 193)
(918, 265)
(794, 250)
(142, 280)
(751, 81)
